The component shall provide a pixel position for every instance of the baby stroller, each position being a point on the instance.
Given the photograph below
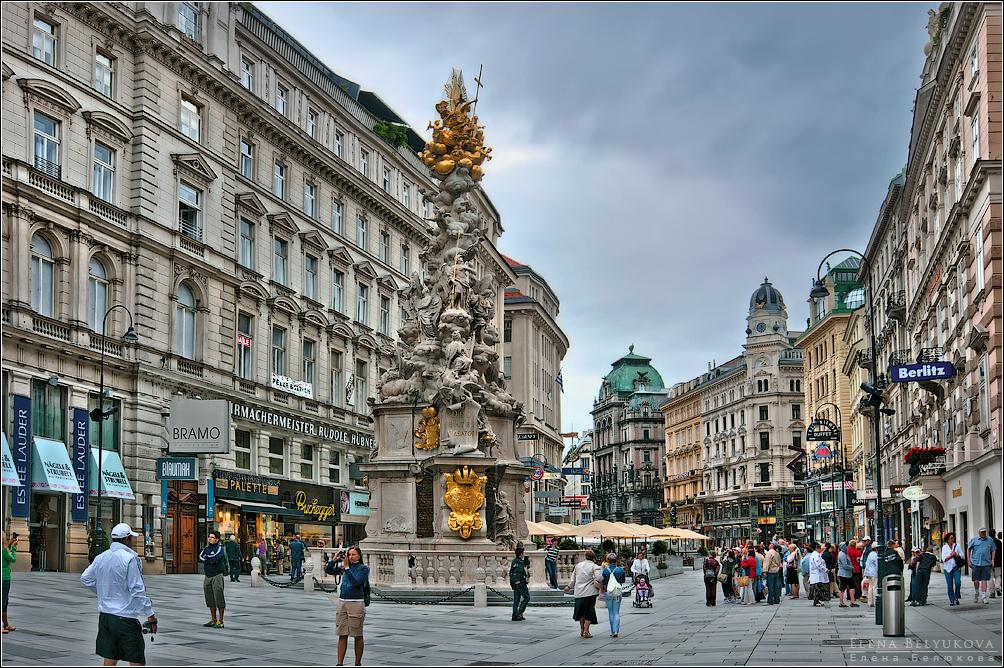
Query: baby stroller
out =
(642, 592)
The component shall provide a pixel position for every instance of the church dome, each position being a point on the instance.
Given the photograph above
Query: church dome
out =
(767, 298)
(632, 373)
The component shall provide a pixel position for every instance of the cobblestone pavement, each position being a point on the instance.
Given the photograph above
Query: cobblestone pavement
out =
(57, 621)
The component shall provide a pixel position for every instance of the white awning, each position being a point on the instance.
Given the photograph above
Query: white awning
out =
(114, 482)
(9, 470)
(51, 468)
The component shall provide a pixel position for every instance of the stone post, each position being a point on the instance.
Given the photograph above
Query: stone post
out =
(401, 569)
(480, 590)
(256, 572)
(538, 574)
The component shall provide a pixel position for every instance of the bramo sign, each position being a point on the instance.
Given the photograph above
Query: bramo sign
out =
(914, 373)
(199, 426)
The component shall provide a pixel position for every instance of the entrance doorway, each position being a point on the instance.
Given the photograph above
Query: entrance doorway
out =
(45, 531)
(988, 502)
(181, 526)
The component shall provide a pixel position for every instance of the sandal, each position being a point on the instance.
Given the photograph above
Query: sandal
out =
(587, 635)
(843, 605)
(9, 628)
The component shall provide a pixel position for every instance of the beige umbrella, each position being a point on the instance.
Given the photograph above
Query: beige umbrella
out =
(635, 530)
(692, 535)
(601, 529)
(553, 529)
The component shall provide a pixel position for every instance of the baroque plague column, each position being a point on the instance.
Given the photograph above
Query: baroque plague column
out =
(445, 477)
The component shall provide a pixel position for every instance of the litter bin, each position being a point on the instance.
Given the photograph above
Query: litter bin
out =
(893, 607)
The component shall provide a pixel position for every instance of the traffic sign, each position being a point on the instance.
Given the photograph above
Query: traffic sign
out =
(537, 473)
(574, 470)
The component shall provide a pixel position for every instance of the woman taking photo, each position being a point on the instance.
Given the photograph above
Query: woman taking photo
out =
(614, 568)
(9, 557)
(350, 610)
(728, 570)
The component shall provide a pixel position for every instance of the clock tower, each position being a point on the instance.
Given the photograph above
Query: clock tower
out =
(767, 320)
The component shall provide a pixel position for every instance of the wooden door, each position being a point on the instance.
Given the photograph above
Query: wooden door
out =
(186, 542)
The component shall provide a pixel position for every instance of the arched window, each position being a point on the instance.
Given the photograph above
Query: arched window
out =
(97, 294)
(43, 269)
(184, 323)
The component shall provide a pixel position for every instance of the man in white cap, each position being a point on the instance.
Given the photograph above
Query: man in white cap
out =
(116, 576)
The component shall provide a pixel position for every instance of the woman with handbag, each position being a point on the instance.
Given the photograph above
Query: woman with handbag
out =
(350, 609)
(726, 574)
(613, 580)
(585, 586)
(711, 570)
(791, 570)
(747, 576)
(952, 563)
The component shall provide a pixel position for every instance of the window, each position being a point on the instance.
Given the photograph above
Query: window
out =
(276, 455)
(361, 232)
(278, 351)
(362, 299)
(406, 259)
(190, 211)
(280, 260)
(796, 440)
(43, 267)
(364, 160)
(279, 180)
(645, 436)
(184, 322)
(245, 346)
(975, 135)
(361, 391)
(386, 180)
(339, 143)
(242, 449)
(190, 119)
(247, 159)
(984, 397)
(974, 61)
(312, 123)
(337, 291)
(247, 243)
(507, 366)
(796, 411)
(957, 177)
(337, 382)
(310, 277)
(309, 361)
(97, 294)
(281, 97)
(103, 172)
(406, 195)
(764, 413)
(247, 73)
(978, 256)
(307, 462)
(764, 472)
(48, 410)
(335, 467)
(764, 440)
(46, 145)
(43, 41)
(507, 331)
(385, 315)
(103, 72)
(385, 247)
(309, 199)
(336, 216)
(188, 19)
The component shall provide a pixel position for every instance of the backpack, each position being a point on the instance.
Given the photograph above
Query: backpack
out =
(614, 587)
(709, 573)
(517, 573)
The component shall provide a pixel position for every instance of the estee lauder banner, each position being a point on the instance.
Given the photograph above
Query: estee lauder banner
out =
(245, 486)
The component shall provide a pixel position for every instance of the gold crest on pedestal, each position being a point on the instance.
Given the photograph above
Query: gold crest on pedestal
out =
(427, 431)
(465, 497)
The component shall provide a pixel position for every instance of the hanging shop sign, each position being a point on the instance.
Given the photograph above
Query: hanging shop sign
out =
(822, 451)
(355, 507)
(574, 470)
(245, 486)
(21, 452)
(325, 432)
(915, 493)
(915, 373)
(301, 388)
(79, 459)
(177, 468)
(822, 430)
(319, 511)
(557, 511)
(199, 427)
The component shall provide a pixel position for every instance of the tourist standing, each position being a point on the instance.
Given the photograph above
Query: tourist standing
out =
(854, 552)
(518, 580)
(350, 609)
(585, 587)
(551, 563)
(772, 567)
(914, 560)
(803, 568)
(711, 570)
(116, 576)
(233, 551)
(613, 581)
(819, 580)
(726, 574)
(996, 584)
(871, 575)
(296, 550)
(263, 555)
(791, 569)
(952, 562)
(747, 576)
(925, 565)
(845, 577)
(982, 552)
(9, 557)
(214, 564)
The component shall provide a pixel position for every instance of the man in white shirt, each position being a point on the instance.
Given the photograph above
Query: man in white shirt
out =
(116, 576)
(818, 576)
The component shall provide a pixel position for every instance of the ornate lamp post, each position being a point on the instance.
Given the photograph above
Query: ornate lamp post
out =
(99, 414)
(874, 401)
(843, 467)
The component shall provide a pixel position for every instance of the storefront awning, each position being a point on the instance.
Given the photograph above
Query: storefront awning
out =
(114, 482)
(51, 468)
(9, 470)
(263, 508)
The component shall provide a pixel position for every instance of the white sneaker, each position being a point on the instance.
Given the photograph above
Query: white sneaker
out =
(976, 597)
(986, 600)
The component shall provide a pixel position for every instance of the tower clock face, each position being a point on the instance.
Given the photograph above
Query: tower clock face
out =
(761, 327)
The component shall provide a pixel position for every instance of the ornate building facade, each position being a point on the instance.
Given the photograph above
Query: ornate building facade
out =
(628, 441)
(683, 478)
(257, 214)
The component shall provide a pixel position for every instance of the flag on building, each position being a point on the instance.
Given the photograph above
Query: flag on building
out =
(560, 383)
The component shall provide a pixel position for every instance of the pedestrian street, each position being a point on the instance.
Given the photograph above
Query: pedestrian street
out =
(56, 623)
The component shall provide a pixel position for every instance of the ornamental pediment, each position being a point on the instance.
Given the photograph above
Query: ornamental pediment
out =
(387, 283)
(314, 317)
(50, 93)
(284, 222)
(195, 165)
(251, 203)
(284, 304)
(108, 124)
(340, 255)
(365, 269)
(313, 238)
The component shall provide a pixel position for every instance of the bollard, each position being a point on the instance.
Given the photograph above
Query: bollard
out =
(893, 612)
(256, 572)
(480, 595)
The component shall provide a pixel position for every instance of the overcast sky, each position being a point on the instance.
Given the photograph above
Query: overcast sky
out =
(655, 162)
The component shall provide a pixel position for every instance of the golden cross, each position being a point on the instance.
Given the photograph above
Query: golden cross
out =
(477, 89)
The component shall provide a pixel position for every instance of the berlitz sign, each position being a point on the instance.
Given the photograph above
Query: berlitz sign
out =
(906, 373)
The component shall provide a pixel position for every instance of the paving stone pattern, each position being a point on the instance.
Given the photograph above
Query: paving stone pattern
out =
(57, 621)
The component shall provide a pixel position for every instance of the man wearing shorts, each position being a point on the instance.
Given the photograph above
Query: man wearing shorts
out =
(214, 563)
(116, 576)
(982, 551)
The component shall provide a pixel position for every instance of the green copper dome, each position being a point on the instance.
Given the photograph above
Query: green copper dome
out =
(632, 373)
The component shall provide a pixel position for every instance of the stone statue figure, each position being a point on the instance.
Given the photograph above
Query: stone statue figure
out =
(503, 534)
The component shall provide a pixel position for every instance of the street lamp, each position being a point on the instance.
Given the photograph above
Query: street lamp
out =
(99, 414)
(843, 465)
(875, 398)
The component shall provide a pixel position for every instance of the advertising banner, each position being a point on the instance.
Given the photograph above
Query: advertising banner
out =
(79, 458)
(21, 452)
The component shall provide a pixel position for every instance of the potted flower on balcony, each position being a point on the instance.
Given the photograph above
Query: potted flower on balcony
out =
(917, 457)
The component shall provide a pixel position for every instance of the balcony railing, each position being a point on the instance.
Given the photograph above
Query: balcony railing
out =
(896, 305)
(901, 357)
(46, 167)
(934, 354)
(48, 327)
(190, 368)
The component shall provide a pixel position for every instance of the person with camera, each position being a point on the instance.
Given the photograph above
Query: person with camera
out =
(9, 557)
(116, 576)
(350, 609)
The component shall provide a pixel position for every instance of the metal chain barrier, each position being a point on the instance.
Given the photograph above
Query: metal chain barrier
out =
(376, 592)
(320, 585)
(281, 585)
(531, 604)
